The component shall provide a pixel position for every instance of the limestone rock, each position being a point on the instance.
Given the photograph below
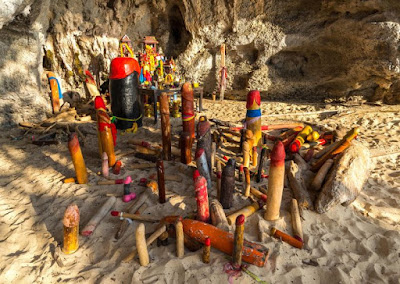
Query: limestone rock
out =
(346, 179)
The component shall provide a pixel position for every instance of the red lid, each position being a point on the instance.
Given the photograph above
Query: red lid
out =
(122, 67)
(207, 242)
(253, 96)
(241, 168)
(99, 103)
(295, 146)
(278, 152)
(240, 220)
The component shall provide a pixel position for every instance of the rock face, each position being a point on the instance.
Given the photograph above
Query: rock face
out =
(309, 50)
(346, 179)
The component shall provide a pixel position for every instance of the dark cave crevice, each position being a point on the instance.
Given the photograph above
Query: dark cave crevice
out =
(179, 36)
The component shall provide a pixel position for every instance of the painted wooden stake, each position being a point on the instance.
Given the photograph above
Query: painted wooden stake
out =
(296, 221)
(202, 166)
(141, 245)
(96, 219)
(71, 229)
(77, 159)
(275, 182)
(206, 250)
(300, 139)
(204, 139)
(188, 115)
(180, 248)
(165, 126)
(200, 187)
(286, 238)
(253, 115)
(238, 242)
(161, 181)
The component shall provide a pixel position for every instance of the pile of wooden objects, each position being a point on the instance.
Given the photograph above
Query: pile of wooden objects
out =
(323, 169)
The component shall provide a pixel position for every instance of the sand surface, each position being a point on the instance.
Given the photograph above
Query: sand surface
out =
(355, 244)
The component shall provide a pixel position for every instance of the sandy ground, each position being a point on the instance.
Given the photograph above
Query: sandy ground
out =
(355, 244)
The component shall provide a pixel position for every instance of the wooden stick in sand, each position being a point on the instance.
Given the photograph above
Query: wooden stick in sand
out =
(180, 248)
(110, 181)
(165, 126)
(255, 157)
(275, 182)
(96, 219)
(131, 209)
(247, 211)
(258, 194)
(238, 242)
(77, 159)
(206, 250)
(144, 150)
(213, 153)
(141, 245)
(141, 166)
(161, 181)
(344, 144)
(246, 182)
(149, 241)
(246, 154)
(133, 216)
(296, 221)
(321, 174)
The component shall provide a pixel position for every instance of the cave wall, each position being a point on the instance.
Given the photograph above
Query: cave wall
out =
(298, 50)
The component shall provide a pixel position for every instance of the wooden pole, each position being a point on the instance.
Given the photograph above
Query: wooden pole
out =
(321, 174)
(165, 126)
(180, 248)
(186, 148)
(161, 181)
(296, 221)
